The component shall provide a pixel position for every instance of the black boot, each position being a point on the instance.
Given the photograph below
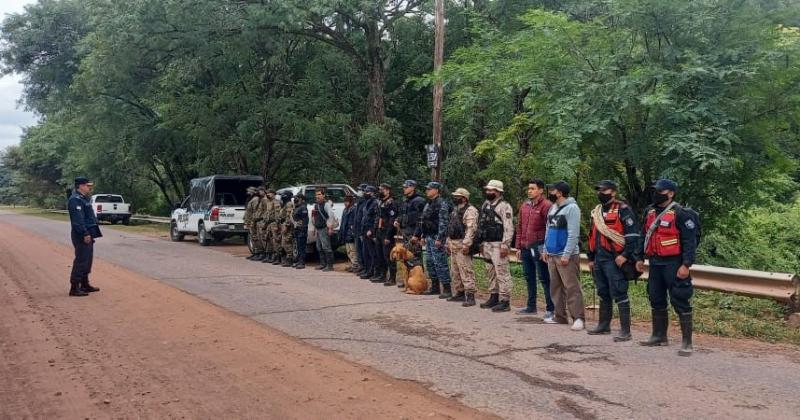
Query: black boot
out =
(75, 290)
(278, 258)
(458, 297)
(288, 262)
(328, 262)
(88, 288)
(259, 257)
(604, 323)
(624, 322)
(469, 299)
(659, 337)
(300, 265)
(252, 257)
(435, 289)
(447, 292)
(502, 306)
(379, 277)
(392, 280)
(368, 273)
(267, 258)
(686, 331)
(494, 298)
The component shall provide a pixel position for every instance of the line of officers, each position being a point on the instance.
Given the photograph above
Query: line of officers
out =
(548, 232)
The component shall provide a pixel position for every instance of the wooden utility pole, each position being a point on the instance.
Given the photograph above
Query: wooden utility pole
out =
(438, 88)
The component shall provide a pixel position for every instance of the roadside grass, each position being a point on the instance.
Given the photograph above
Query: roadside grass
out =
(135, 226)
(715, 313)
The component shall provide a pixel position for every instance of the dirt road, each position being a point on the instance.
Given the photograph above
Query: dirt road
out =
(141, 349)
(145, 336)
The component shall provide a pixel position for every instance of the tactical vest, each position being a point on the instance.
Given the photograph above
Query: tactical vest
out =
(410, 213)
(614, 223)
(430, 217)
(456, 228)
(665, 241)
(490, 226)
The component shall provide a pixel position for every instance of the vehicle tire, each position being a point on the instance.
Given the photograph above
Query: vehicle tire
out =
(174, 234)
(203, 236)
(126, 221)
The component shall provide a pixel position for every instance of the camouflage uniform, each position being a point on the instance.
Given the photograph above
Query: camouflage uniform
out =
(267, 215)
(462, 272)
(287, 235)
(251, 222)
(497, 265)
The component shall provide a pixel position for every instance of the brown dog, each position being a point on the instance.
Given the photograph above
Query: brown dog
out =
(416, 283)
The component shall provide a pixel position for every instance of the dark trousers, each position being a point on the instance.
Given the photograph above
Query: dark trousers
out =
(370, 254)
(531, 265)
(610, 281)
(663, 280)
(82, 264)
(359, 252)
(300, 239)
(383, 262)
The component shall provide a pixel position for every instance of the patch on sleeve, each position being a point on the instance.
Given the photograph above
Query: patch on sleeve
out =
(391, 213)
(690, 224)
(77, 207)
(629, 221)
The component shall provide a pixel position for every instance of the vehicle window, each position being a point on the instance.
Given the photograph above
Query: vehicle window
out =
(108, 199)
(185, 203)
(225, 199)
(335, 194)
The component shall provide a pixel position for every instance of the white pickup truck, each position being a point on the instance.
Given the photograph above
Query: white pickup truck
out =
(214, 209)
(336, 194)
(111, 208)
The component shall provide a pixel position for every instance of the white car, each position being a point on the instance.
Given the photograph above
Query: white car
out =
(336, 194)
(214, 209)
(111, 208)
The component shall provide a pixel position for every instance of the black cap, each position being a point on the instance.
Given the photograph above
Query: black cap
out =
(82, 180)
(409, 183)
(665, 184)
(606, 184)
(286, 193)
(434, 185)
(362, 186)
(559, 186)
(300, 196)
(370, 189)
(386, 186)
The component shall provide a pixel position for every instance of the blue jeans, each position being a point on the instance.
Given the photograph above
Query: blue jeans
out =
(531, 264)
(436, 265)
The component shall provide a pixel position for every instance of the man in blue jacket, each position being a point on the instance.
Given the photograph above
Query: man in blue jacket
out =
(347, 232)
(84, 232)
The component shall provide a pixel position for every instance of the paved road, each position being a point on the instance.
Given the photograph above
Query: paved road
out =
(502, 364)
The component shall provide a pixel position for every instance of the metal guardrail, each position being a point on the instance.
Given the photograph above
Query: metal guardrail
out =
(780, 287)
(142, 217)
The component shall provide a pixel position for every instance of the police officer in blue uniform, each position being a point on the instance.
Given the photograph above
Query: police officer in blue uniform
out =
(432, 227)
(84, 232)
(670, 234)
(369, 217)
(358, 214)
(387, 214)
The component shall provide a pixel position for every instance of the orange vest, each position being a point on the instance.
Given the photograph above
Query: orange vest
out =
(614, 223)
(665, 241)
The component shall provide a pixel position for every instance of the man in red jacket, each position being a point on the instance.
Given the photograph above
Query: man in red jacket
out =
(531, 226)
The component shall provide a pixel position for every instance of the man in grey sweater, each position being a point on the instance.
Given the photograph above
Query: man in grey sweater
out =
(562, 253)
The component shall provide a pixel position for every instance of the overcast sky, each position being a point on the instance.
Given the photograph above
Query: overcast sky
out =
(12, 117)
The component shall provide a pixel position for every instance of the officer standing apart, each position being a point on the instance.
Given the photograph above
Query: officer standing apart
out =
(460, 239)
(496, 229)
(670, 241)
(432, 227)
(323, 218)
(613, 241)
(300, 219)
(562, 253)
(84, 231)
(387, 214)
(406, 222)
(530, 240)
(369, 219)
(251, 224)
(287, 229)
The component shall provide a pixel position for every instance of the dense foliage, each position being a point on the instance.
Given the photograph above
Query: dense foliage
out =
(146, 94)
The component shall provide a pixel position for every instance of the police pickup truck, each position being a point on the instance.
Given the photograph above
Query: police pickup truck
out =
(111, 208)
(214, 209)
(335, 193)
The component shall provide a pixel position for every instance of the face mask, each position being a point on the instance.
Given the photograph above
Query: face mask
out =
(460, 200)
(491, 196)
(660, 198)
(604, 198)
(552, 197)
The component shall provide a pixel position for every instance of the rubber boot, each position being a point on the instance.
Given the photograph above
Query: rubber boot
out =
(686, 332)
(659, 337)
(624, 322)
(75, 290)
(469, 299)
(435, 289)
(328, 262)
(458, 297)
(447, 291)
(494, 299)
(604, 323)
(502, 306)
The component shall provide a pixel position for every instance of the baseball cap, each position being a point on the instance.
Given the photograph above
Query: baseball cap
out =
(83, 180)
(434, 185)
(665, 184)
(606, 184)
(409, 183)
(559, 186)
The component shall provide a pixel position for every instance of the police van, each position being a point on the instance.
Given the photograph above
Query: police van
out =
(335, 193)
(214, 209)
